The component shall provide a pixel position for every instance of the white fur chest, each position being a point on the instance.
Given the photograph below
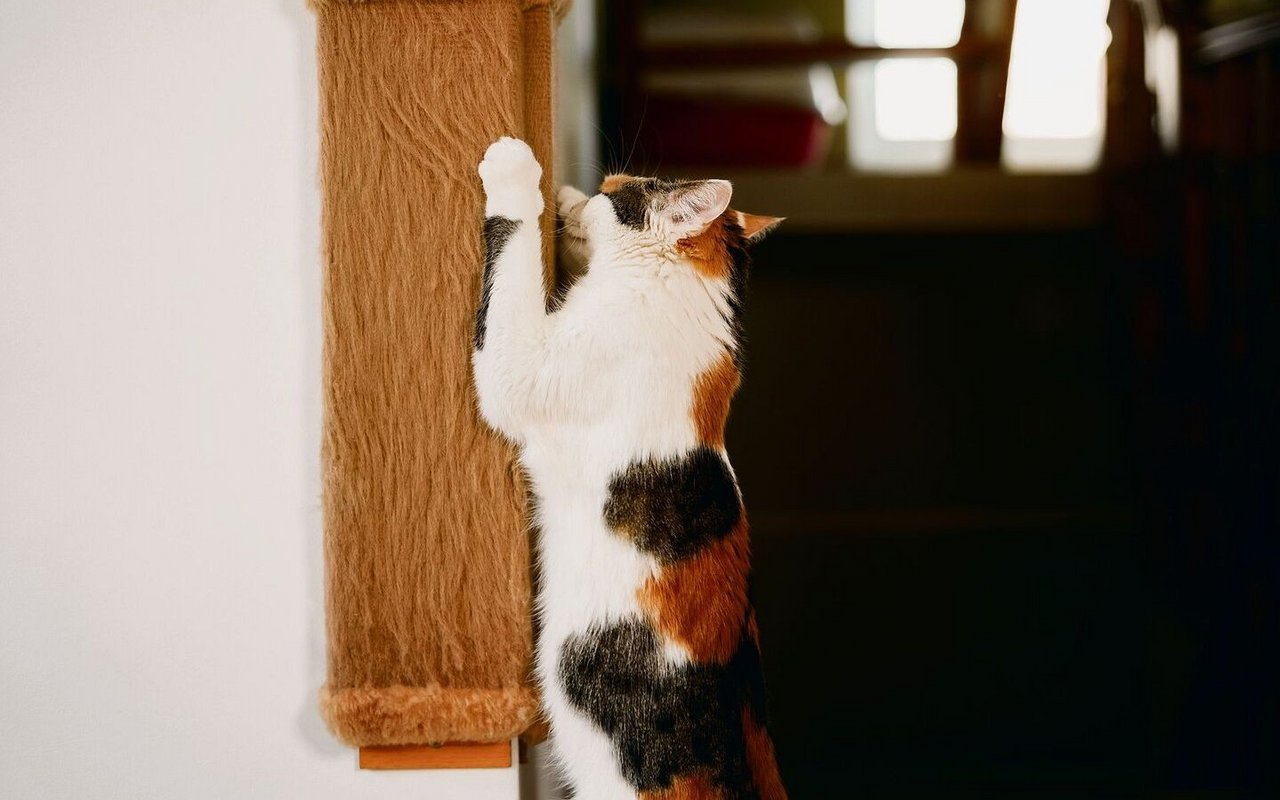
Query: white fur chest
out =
(636, 344)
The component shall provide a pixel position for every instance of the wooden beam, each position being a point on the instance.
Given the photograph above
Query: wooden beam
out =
(463, 755)
(774, 54)
(962, 200)
(981, 84)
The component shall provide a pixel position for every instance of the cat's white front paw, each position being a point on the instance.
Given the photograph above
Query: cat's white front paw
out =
(570, 204)
(569, 200)
(510, 175)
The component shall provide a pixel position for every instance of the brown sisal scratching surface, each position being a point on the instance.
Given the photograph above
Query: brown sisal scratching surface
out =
(560, 7)
(427, 556)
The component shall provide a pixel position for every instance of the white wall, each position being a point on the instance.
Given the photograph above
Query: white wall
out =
(160, 572)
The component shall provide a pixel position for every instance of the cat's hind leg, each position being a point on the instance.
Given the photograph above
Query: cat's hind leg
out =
(586, 758)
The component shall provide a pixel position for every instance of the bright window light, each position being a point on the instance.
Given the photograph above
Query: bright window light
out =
(904, 110)
(1055, 107)
(1057, 69)
(918, 23)
(915, 99)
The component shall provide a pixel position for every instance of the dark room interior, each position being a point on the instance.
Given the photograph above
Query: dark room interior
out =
(1008, 431)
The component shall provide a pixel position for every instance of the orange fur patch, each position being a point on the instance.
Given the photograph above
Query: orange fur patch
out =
(701, 602)
(687, 787)
(708, 252)
(613, 182)
(754, 225)
(753, 629)
(712, 392)
(761, 759)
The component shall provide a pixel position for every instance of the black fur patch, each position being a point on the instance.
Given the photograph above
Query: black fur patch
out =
(497, 232)
(665, 722)
(739, 267)
(633, 199)
(631, 203)
(673, 508)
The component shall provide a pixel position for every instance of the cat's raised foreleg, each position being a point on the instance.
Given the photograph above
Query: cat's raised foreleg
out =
(511, 318)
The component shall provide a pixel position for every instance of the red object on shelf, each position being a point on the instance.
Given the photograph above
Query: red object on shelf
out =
(691, 131)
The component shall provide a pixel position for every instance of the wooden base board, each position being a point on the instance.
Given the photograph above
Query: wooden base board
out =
(461, 755)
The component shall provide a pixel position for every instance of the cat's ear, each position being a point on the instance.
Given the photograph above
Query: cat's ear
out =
(754, 226)
(689, 209)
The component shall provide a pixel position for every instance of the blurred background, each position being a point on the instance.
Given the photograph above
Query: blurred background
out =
(1008, 436)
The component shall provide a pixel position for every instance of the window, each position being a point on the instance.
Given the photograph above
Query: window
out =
(1055, 104)
(903, 109)
(903, 115)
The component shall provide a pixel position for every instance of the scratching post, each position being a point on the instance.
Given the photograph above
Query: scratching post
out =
(427, 556)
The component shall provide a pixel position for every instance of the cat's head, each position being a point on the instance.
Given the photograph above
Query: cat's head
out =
(651, 215)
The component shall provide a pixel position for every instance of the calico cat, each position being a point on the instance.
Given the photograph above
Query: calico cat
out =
(648, 654)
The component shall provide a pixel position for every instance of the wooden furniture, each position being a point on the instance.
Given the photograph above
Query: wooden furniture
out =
(1197, 232)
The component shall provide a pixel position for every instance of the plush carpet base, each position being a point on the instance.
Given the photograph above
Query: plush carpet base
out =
(427, 714)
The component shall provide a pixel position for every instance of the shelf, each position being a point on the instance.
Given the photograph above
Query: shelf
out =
(963, 200)
(448, 756)
(776, 54)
